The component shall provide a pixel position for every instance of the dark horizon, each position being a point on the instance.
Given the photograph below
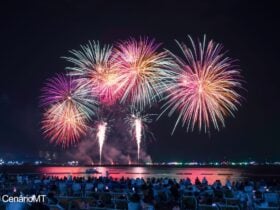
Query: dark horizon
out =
(35, 35)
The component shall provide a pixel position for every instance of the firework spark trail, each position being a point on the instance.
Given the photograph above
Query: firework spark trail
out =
(205, 88)
(94, 65)
(68, 106)
(143, 71)
(101, 135)
(138, 135)
(138, 127)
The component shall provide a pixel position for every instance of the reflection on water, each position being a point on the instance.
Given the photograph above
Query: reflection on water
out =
(211, 174)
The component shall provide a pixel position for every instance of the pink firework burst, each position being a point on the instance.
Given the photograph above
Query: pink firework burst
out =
(204, 91)
(68, 106)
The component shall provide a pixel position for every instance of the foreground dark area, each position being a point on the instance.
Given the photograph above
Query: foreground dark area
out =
(105, 192)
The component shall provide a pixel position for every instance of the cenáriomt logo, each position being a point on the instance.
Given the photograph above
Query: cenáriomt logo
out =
(24, 199)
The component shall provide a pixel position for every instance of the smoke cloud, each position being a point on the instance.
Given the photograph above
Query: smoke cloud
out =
(120, 146)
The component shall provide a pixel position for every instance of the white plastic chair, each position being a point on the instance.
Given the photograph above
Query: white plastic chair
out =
(228, 207)
(134, 206)
(248, 189)
(271, 197)
(37, 181)
(76, 187)
(100, 186)
(267, 208)
(46, 181)
(19, 179)
(62, 188)
(207, 207)
(88, 188)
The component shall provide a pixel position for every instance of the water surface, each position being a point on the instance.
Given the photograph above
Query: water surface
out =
(211, 173)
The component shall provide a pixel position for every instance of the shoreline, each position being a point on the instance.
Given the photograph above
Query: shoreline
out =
(142, 165)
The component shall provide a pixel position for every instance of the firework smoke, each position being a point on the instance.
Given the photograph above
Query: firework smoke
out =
(120, 149)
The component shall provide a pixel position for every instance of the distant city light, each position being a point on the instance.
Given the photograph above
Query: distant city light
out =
(73, 163)
(46, 161)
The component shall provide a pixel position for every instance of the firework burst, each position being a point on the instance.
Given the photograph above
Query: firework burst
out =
(95, 66)
(67, 108)
(64, 124)
(144, 71)
(204, 91)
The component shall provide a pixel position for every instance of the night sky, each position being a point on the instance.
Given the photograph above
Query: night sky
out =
(35, 34)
